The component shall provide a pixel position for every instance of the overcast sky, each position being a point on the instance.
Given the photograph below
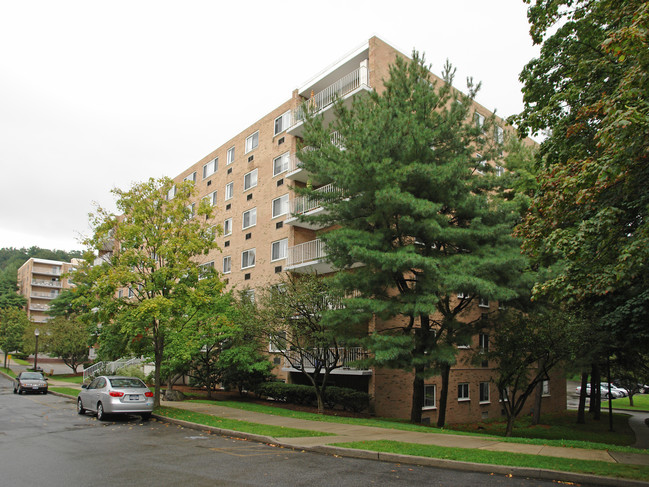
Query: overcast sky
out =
(96, 95)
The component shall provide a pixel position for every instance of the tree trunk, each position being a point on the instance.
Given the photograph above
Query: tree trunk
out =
(581, 410)
(538, 399)
(510, 423)
(318, 396)
(596, 392)
(631, 394)
(443, 396)
(417, 396)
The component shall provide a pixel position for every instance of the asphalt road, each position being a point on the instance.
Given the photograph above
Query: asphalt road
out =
(43, 442)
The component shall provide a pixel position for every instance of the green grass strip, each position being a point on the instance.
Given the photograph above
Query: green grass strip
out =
(640, 403)
(236, 425)
(7, 371)
(70, 391)
(72, 379)
(405, 426)
(593, 467)
(20, 361)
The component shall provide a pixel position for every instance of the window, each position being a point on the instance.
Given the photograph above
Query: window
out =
(227, 227)
(191, 177)
(483, 342)
(204, 270)
(210, 168)
(249, 294)
(430, 392)
(120, 293)
(483, 303)
(500, 171)
(227, 264)
(499, 135)
(252, 142)
(478, 119)
(484, 392)
(171, 194)
(545, 385)
(280, 164)
(229, 191)
(230, 158)
(250, 180)
(277, 342)
(191, 210)
(248, 258)
(211, 198)
(463, 295)
(279, 250)
(249, 218)
(282, 122)
(280, 206)
(481, 166)
(463, 391)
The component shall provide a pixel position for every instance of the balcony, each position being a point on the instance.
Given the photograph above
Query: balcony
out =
(303, 205)
(346, 355)
(46, 283)
(308, 257)
(50, 271)
(39, 295)
(345, 88)
(39, 307)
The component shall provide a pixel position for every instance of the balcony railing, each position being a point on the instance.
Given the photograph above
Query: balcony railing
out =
(346, 355)
(53, 271)
(50, 295)
(306, 252)
(39, 307)
(304, 204)
(46, 283)
(326, 97)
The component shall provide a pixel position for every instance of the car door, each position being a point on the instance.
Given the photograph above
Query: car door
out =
(89, 398)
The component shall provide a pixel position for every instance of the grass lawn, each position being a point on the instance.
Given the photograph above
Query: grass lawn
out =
(70, 391)
(8, 371)
(638, 472)
(563, 432)
(640, 402)
(20, 361)
(236, 425)
(73, 379)
(561, 426)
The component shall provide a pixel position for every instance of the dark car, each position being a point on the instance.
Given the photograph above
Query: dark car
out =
(30, 382)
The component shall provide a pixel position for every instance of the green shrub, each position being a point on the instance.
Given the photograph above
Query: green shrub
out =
(131, 371)
(346, 398)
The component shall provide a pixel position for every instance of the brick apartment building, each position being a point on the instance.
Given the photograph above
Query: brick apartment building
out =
(40, 281)
(248, 180)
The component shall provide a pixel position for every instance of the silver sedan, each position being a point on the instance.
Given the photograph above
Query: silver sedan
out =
(115, 395)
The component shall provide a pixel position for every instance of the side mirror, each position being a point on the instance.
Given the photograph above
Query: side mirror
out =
(46, 378)
(84, 386)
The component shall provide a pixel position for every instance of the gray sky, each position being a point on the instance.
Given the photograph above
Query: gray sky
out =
(96, 94)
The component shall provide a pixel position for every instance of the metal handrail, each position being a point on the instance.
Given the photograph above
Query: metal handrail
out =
(306, 252)
(304, 204)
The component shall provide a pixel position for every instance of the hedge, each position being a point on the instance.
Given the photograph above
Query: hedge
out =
(344, 397)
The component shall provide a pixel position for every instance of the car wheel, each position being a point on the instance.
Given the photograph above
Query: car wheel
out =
(146, 416)
(80, 409)
(15, 391)
(101, 415)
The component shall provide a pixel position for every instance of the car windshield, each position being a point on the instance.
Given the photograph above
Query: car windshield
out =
(127, 382)
(31, 375)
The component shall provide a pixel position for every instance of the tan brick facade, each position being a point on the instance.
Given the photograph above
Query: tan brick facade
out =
(391, 389)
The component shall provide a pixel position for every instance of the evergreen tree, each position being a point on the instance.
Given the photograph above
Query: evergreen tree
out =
(416, 218)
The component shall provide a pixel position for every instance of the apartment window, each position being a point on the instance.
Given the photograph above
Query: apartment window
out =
(210, 168)
(277, 342)
(499, 135)
(248, 258)
(280, 206)
(545, 388)
(230, 157)
(463, 295)
(229, 191)
(249, 218)
(204, 270)
(279, 250)
(478, 119)
(282, 122)
(120, 293)
(430, 393)
(280, 164)
(500, 171)
(227, 227)
(250, 180)
(130, 292)
(463, 391)
(483, 342)
(171, 194)
(481, 166)
(191, 210)
(483, 303)
(191, 177)
(484, 392)
(252, 142)
(249, 294)
(227, 264)
(211, 198)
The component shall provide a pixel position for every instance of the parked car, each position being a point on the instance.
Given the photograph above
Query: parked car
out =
(30, 382)
(115, 395)
(643, 388)
(622, 392)
(603, 392)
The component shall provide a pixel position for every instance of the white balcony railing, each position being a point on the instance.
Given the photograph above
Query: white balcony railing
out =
(50, 295)
(304, 204)
(306, 252)
(326, 97)
(39, 307)
(53, 271)
(346, 355)
(46, 283)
